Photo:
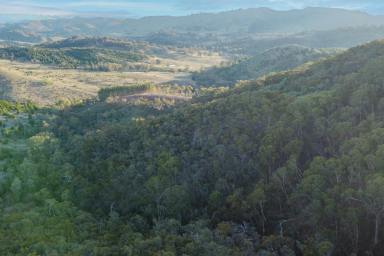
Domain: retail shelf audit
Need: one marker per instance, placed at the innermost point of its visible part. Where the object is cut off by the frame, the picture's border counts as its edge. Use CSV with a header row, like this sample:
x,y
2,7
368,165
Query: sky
x,y
16,10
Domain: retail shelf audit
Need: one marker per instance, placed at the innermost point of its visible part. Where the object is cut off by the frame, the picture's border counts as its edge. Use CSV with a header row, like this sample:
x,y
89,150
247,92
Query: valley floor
x,y
45,85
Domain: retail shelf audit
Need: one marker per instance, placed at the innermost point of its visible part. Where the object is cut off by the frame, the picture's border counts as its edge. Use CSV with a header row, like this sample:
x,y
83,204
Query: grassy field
x,y
46,85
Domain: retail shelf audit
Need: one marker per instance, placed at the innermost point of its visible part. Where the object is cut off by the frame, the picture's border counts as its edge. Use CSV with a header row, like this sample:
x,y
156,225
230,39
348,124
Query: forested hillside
x,y
106,43
86,58
110,54
272,60
290,164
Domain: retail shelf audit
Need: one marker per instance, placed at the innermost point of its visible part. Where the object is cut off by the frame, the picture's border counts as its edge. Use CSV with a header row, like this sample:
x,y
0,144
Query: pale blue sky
x,y
25,9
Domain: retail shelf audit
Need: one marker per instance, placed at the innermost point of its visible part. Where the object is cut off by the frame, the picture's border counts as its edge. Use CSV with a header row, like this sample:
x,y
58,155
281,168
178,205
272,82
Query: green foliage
x,y
105,93
286,164
146,89
88,58
291,164
8,108
272,60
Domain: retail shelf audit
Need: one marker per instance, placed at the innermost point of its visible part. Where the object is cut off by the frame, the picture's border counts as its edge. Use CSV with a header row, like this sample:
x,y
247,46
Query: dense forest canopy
x,y
290,164
70,58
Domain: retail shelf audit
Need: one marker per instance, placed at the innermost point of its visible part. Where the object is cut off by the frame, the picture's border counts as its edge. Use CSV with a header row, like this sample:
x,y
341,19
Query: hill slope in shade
x,y
273,60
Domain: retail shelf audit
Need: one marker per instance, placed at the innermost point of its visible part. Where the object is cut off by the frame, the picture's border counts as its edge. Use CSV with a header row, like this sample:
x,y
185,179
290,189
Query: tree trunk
x,y
264,219
357,239
377,226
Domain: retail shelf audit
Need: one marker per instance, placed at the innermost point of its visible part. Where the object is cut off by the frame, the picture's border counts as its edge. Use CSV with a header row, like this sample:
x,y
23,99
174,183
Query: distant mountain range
x,y
248,21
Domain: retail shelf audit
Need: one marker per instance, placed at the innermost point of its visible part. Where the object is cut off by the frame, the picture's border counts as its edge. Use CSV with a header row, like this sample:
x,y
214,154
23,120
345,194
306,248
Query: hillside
x,y
108,54
11,32
290,164
272,60
85,53
270,163
99,42
86,58
107,43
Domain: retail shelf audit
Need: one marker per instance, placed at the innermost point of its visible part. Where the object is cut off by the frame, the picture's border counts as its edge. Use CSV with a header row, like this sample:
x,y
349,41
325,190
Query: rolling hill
x,y
109,44
86,58
272,60
109,54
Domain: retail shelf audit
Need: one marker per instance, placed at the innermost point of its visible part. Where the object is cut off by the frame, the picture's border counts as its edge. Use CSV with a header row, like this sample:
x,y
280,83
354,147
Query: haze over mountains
x,y
248,21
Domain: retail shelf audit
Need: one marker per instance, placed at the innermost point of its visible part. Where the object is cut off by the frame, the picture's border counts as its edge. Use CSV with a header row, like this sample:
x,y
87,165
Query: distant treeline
x,y
87,58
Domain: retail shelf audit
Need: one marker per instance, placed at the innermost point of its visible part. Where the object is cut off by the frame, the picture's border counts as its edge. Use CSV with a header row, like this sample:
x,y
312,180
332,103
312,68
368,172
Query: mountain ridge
x,y
258,20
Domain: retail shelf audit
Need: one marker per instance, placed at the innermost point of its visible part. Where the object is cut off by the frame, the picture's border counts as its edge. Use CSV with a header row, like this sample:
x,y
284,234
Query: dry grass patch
x,y
45,85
